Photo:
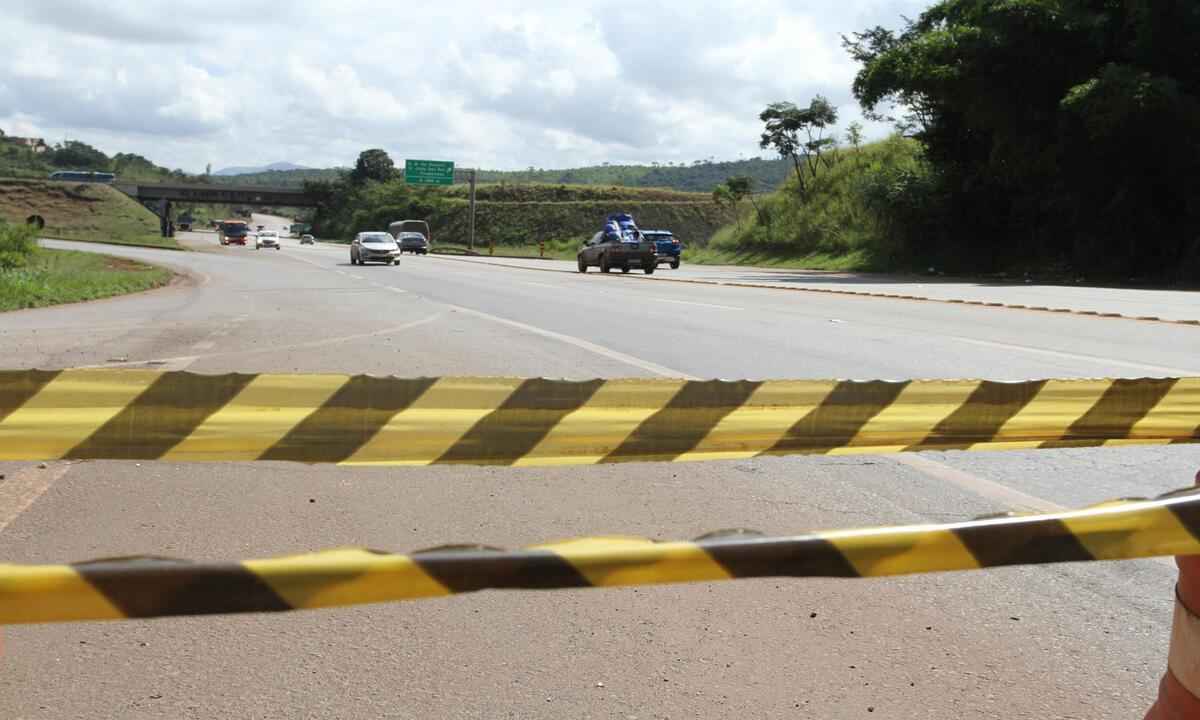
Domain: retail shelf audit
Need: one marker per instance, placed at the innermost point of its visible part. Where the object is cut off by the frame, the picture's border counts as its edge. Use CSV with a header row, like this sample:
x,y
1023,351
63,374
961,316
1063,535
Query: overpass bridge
x,y
216,193
161,195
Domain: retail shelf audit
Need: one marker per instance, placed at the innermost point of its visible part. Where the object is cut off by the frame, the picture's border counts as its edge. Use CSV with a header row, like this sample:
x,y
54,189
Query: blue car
x,y
666,246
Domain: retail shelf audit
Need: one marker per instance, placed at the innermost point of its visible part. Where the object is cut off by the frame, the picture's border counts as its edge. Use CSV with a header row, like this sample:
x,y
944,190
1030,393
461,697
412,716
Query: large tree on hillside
x,y
1068,129
783,124
373,164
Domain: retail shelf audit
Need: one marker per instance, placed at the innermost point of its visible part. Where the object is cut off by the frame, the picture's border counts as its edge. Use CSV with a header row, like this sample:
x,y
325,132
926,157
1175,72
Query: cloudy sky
x,y
492,84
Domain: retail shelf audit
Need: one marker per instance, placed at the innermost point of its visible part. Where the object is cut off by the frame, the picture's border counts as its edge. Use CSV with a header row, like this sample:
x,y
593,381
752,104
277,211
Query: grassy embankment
x,y
848,219
34,277
516,218
81,211
64,276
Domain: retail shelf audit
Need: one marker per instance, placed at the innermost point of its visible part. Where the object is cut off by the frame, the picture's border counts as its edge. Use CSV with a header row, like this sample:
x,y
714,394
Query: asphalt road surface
x,y
1056,641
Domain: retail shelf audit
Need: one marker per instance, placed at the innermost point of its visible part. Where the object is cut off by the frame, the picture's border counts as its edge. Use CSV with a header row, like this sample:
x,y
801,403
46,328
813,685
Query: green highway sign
x,y
428,172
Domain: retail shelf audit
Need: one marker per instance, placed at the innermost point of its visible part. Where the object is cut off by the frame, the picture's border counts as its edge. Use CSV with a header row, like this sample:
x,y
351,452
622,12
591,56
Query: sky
x,y
495,84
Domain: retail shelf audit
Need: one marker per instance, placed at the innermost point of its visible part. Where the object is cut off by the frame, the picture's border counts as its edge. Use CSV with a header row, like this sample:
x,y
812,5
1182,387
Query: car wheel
x,y
582,264
625,268
649,269
675,264
276,247
604,266
396,262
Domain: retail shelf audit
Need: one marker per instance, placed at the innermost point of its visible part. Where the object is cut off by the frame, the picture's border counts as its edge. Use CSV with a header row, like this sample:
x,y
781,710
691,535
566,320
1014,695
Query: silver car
x,y
374,247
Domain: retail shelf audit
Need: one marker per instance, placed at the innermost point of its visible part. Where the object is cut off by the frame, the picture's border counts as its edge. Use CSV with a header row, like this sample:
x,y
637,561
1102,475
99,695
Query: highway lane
x,y
1005,643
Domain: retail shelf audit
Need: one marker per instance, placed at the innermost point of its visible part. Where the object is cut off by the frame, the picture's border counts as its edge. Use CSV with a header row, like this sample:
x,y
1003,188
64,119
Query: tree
x,y
739,188
854,135
78,155
784,123
1059,132
373,164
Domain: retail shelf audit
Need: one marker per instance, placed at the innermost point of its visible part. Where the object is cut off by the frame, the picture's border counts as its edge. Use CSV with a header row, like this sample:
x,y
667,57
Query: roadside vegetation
x,y
19,161
511,215
35,277
1054,139
701,175
88,212
697,176
850,215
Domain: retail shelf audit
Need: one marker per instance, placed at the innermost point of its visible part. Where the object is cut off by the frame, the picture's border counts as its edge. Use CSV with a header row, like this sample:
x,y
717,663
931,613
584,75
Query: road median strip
x,y
483,260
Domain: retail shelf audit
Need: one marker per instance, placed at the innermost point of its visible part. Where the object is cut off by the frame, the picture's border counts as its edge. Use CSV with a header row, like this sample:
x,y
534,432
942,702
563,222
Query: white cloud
x,y
493,84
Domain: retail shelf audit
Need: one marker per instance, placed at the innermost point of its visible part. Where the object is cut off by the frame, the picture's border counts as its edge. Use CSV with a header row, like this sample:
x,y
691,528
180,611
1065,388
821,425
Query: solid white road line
x,y
1005,496
1140,367
698,304
582,344
984,488
22,488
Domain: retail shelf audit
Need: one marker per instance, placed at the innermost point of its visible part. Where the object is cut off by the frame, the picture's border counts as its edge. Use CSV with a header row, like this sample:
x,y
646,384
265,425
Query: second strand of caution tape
x,y
148,587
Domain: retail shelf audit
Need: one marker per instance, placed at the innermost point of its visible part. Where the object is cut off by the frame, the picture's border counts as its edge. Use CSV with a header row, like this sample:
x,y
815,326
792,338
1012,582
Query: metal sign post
x,y
471,180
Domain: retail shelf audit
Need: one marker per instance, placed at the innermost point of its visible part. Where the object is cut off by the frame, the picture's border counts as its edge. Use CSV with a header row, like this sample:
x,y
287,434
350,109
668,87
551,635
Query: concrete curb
x,y
180,248
858,293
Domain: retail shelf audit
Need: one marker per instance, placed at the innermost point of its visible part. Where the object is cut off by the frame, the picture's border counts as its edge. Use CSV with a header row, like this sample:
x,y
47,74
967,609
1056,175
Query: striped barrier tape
x,y
180,416
147,587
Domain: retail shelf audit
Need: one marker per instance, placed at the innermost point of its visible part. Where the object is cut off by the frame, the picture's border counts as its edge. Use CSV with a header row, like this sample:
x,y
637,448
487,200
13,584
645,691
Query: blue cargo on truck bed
x,y
666,246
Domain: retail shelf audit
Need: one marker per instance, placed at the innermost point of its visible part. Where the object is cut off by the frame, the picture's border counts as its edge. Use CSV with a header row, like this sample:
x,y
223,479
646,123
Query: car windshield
x,y
411,236
377,239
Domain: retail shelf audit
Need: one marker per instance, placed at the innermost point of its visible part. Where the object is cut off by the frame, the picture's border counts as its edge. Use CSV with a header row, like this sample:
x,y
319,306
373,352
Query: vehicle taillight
x,y
674,241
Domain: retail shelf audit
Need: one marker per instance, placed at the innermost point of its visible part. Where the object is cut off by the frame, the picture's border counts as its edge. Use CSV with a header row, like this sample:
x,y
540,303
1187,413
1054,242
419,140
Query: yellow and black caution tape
x,y
180,416
147,587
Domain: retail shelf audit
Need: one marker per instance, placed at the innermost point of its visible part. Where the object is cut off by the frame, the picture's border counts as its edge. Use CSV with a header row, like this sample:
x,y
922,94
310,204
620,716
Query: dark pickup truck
x,y
608,252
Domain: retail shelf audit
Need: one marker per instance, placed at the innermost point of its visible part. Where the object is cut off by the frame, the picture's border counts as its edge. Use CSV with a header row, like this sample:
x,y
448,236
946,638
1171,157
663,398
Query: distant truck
x,y
411,226
298,229
232,232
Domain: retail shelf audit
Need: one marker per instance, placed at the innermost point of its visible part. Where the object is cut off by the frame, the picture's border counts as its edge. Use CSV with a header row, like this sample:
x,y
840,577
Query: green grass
x,y
53,277
81,211
854,260
847,220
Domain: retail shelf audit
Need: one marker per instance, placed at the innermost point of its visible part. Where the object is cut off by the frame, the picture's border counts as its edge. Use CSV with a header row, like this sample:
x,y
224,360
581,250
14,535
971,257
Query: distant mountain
x,y
250,170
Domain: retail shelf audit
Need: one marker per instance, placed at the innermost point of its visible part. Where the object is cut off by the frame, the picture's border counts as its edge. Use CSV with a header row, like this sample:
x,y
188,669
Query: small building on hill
x,y
37,145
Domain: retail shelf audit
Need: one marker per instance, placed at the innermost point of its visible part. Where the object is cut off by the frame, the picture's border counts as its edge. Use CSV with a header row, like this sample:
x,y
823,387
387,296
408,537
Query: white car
x,y
267,239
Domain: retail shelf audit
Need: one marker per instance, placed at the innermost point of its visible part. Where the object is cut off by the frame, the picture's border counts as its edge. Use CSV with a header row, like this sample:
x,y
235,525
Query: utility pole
x,y
471,179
